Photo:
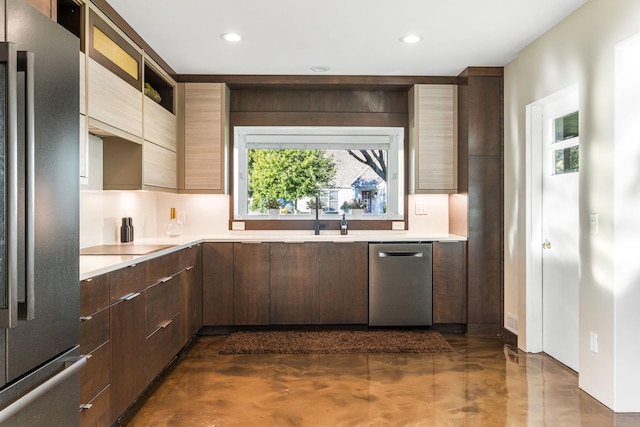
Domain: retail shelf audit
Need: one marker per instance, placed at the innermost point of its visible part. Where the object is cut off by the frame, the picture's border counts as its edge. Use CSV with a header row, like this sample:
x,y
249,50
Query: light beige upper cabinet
x,y
150,164
160,129
114,80
159,125
203,137
433,145
113,104
159,166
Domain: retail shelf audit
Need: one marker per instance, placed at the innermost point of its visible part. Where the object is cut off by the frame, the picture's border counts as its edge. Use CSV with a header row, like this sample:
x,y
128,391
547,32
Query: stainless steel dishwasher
x,y
400,284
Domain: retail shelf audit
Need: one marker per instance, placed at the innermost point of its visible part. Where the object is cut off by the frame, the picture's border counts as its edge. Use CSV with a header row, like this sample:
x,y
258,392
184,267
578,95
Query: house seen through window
x,y
350,170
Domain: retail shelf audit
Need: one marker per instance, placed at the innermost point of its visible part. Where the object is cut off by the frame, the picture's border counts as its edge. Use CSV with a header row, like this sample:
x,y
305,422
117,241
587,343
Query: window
x,y
286,167
565,146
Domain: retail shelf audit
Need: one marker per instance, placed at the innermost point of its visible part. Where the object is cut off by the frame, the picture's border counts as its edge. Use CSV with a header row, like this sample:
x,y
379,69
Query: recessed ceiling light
x,y
410,38
320,68
231,37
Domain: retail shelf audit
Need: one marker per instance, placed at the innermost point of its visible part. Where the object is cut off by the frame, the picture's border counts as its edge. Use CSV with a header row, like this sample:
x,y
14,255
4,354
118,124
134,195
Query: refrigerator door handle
x,y
9,311
26,64
74,366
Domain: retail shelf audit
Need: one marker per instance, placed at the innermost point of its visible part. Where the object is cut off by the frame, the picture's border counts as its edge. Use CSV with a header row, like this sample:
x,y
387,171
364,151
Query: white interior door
x,y
560,255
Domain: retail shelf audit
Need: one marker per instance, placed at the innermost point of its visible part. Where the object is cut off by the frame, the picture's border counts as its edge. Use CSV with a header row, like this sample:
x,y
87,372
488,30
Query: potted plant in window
x,y
357,207
273,206
311,205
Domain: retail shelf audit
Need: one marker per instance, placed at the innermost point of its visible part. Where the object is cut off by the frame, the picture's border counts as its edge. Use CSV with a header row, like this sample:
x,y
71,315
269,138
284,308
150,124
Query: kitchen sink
x,y
128,249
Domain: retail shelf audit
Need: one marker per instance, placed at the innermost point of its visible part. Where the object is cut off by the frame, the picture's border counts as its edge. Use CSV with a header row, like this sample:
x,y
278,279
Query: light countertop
x,y
94,265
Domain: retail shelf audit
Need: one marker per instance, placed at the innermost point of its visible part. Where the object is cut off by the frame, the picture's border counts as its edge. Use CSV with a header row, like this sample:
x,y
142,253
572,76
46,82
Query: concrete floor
x,y
482,383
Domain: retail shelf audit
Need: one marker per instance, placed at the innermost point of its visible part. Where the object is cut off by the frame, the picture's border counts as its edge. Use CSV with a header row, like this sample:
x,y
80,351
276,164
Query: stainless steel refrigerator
x,y
39,291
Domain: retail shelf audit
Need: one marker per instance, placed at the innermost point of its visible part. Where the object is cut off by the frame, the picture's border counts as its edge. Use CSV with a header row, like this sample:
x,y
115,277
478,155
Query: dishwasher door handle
x,y
401,253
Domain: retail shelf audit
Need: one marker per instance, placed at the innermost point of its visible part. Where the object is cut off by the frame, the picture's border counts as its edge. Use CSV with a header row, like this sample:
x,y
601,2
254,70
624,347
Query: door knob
x,y
546,244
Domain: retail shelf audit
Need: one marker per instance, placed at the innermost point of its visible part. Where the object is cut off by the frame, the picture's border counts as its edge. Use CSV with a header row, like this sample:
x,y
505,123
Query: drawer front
x,y
188,257
95,375
94,331
98,414
161,347
163,303
94,294
126,280
162,267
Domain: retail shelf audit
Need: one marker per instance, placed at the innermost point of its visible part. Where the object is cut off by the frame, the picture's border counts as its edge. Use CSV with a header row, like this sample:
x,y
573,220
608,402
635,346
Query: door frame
x,y
533,217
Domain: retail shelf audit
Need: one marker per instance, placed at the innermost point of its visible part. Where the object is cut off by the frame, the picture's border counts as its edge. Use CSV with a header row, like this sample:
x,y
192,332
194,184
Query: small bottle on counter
x,y
344,228
173,227
126,230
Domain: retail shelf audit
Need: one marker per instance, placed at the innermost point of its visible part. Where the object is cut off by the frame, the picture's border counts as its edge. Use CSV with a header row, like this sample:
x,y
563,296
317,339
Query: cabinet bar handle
x,y
189,268
86,406
85,318
130,296
165,323
165,279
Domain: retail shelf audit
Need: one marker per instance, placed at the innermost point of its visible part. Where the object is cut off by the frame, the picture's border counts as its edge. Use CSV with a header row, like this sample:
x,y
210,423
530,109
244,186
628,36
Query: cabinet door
x,y
449,282
433,139
293,283
343,283
251,283
206,107
127,326
113,102
159,125
217,284
159,166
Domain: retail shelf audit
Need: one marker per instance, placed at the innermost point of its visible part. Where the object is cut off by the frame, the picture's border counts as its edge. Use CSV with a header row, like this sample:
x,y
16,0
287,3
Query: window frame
x,y
391,139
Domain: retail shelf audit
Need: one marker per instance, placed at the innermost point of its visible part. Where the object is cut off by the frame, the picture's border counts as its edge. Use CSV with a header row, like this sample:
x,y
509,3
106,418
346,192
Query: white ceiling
x,y
352,37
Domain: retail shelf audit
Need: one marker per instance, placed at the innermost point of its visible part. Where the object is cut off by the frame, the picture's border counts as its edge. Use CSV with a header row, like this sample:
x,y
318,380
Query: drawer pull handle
x,y
130,296
189,268
86,406
85,318
88,280
165,323
132,265
166,279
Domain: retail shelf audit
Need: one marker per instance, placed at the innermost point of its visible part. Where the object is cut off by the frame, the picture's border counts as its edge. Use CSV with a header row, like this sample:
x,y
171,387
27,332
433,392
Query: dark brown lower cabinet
x,y
293,283
191,298
162,325
96,412
251,283
134,321
95,377
217,284
343,291
127,321
449,282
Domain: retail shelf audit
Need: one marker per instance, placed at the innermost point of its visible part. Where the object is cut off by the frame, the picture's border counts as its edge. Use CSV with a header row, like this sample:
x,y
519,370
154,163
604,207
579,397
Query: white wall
x,y
581,49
